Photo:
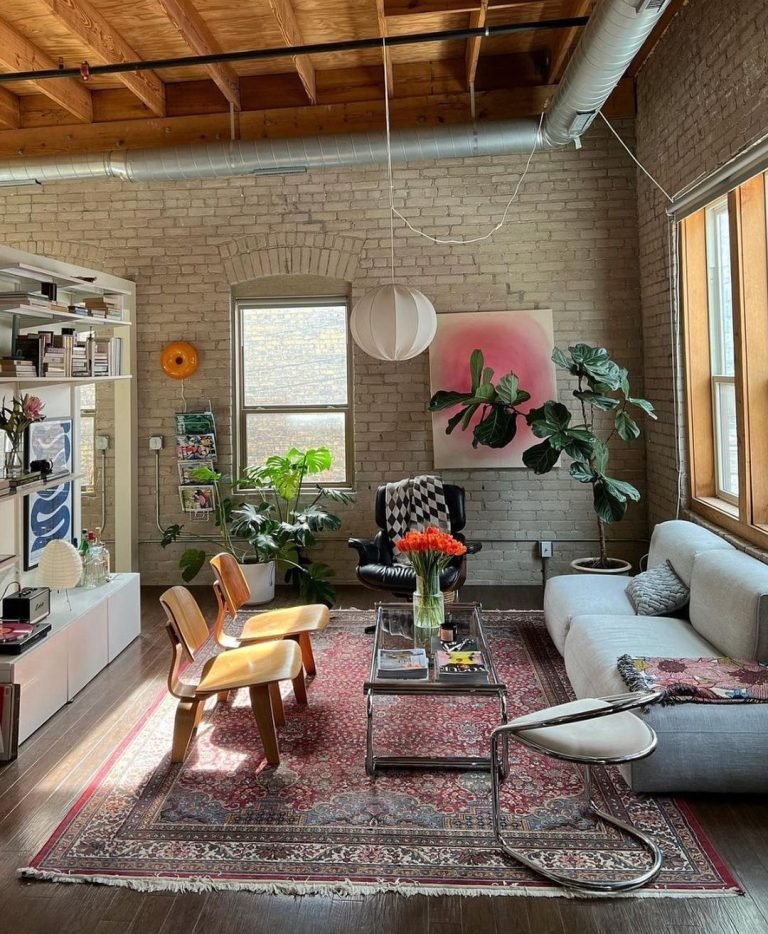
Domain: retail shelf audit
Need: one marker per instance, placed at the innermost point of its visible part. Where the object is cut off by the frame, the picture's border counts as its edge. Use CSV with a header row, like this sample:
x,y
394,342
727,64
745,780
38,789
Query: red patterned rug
x,y
318,823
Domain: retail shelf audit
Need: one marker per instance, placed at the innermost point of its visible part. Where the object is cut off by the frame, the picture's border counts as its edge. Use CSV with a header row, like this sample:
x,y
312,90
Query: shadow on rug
x,y
318,824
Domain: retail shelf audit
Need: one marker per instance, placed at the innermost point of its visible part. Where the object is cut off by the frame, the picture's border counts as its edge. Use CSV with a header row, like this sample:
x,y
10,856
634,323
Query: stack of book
x,y
109,307
10,300
105,356
465,665
402,663
17,368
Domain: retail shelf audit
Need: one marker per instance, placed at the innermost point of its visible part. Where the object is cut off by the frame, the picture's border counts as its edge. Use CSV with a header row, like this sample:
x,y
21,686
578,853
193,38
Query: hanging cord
x,y
183,397
393,210
634,158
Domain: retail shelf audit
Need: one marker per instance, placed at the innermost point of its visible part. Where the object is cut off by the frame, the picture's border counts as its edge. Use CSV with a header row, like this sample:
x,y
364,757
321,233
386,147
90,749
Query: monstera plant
x,y
607,412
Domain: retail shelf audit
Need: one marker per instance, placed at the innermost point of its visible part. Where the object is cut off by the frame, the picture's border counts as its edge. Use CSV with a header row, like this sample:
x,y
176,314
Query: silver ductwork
x,y
610,41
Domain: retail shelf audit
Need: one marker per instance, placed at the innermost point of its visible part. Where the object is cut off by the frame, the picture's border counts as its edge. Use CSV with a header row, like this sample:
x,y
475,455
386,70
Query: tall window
x,y
87,437
293,381
725,315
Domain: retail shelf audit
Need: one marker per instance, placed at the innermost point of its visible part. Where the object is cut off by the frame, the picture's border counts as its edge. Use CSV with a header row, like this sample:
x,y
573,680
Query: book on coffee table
x,y
402,663
460,665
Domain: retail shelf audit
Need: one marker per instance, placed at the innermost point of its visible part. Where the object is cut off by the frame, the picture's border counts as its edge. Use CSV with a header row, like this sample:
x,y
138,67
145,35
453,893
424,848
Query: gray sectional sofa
x,y
702,747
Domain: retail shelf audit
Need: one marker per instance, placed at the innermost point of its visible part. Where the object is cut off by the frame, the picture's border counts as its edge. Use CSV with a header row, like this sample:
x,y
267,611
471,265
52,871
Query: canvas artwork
x,y
195,447
517,341
186,469
195,423
51,440
196,498
48,516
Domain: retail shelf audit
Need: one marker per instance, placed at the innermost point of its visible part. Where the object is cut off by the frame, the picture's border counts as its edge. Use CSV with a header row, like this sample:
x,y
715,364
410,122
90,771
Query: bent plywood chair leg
x,y
307,655
277,703
300,688
224,696
188,713
262,711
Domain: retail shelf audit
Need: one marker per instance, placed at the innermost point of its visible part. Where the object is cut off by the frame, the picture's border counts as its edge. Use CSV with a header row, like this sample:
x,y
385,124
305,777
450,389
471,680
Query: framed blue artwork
x,y
47,516
51,440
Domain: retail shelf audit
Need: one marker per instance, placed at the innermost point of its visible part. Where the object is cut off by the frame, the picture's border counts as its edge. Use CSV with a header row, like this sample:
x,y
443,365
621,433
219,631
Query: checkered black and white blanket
x,y
415,503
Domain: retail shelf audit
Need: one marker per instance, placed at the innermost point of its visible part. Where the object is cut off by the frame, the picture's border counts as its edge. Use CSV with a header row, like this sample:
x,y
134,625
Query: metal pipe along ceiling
x,y
610,41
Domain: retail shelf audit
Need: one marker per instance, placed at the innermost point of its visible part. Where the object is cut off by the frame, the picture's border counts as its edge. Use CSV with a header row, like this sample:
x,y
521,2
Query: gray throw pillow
x,y
657,592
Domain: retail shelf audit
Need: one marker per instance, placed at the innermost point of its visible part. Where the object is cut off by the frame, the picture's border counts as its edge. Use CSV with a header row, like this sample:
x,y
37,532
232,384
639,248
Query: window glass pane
x,y
87,443
88,397
295,356
270,433
719,288
726,446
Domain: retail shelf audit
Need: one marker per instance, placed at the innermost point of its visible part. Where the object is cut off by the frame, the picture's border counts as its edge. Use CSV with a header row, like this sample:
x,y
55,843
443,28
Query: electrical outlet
x,y
102,442
156,443
545,549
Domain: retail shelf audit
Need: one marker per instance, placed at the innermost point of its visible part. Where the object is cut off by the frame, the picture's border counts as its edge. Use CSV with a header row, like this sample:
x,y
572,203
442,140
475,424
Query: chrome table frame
x,y
374,687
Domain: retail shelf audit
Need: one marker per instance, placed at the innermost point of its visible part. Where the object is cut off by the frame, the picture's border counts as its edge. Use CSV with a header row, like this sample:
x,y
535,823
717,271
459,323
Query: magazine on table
x,y
402,663
461,665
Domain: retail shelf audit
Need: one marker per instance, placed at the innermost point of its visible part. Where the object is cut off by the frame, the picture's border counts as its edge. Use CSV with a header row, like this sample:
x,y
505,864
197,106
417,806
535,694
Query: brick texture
x,y
570,244
702,98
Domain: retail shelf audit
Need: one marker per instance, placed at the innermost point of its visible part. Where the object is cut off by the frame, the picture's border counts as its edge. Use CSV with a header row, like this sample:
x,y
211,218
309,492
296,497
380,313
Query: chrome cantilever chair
x,y
591,731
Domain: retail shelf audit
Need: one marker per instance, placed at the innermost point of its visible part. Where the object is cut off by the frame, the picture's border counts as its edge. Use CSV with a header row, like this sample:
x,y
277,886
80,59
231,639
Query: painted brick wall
x,y
702,97
570,244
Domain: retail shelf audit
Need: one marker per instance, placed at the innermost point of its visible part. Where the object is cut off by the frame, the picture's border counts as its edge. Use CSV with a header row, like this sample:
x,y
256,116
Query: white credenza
x,y
87,633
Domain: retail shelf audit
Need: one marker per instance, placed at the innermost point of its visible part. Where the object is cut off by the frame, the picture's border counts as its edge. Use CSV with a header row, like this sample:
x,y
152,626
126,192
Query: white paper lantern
x,y
60,565
394,322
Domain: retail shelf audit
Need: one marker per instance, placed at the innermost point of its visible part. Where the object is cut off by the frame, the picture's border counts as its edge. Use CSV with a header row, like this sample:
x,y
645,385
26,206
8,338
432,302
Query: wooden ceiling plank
x,y
568,38
285,17
476,21
9,110
393,8
382,21
17,53
195,32
92,28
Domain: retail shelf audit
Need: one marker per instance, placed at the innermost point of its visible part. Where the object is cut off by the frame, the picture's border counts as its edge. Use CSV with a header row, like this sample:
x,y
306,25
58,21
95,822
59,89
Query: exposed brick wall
x,y
702,97
570,244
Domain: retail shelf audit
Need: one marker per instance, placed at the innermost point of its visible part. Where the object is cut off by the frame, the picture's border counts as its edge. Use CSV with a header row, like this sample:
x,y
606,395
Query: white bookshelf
x,y
55,380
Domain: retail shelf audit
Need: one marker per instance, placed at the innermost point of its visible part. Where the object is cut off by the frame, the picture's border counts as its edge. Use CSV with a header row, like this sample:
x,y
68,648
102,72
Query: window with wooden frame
x,y
293,381
724,277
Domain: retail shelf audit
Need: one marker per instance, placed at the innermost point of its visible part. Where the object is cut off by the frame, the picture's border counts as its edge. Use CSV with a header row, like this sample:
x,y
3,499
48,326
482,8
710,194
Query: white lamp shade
x,y
60,565
394,322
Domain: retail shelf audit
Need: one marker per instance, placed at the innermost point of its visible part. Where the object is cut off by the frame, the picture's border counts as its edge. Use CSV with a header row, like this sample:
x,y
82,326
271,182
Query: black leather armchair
x,y
376,567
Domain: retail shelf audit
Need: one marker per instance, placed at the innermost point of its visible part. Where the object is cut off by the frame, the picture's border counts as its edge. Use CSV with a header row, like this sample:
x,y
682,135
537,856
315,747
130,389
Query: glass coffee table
x,y
395,630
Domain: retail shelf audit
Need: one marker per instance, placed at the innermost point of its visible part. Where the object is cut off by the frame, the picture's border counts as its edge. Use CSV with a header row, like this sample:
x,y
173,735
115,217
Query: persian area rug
x,y
318,824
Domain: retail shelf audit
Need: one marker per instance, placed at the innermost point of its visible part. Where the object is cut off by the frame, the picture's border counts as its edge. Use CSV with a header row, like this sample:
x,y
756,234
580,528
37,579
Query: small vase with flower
x,y
429,552
14,421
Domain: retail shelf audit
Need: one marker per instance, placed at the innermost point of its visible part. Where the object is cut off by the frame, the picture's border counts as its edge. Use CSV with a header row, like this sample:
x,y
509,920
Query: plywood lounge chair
x,y
260,668
295,622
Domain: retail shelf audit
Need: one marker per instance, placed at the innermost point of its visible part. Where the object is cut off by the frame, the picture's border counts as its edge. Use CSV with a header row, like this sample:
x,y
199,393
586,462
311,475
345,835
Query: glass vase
x,y
13,464
428,605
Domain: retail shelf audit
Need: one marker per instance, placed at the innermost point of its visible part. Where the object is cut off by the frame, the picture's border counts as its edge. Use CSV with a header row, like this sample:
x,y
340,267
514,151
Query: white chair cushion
x,y
616,736
572,595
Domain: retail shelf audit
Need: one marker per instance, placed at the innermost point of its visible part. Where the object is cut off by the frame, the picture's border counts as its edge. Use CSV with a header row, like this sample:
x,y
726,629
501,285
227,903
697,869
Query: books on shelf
x,y
109,307
461,665
62,355
17,368
402,663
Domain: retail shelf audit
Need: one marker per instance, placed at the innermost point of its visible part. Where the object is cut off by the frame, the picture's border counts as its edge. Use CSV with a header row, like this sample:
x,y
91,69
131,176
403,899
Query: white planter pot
x,y
261,582
582,566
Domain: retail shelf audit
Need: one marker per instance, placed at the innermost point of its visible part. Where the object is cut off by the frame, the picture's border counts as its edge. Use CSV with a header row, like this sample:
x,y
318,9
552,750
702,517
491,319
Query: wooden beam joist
x,y
10,116
283,12
382,21
476,21
564,46
82,19
195,32
290,121
19,54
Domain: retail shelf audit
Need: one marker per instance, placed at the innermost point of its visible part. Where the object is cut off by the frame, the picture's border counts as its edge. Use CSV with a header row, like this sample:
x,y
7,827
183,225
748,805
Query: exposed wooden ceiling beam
x,y
10,117
382,20
285,121
568,38
427,7
476,21
658,31
19,54
82,19
283,12
201,40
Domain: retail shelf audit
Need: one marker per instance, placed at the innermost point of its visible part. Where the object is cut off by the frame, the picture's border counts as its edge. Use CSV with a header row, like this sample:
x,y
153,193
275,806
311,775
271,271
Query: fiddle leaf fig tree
x,y
605,404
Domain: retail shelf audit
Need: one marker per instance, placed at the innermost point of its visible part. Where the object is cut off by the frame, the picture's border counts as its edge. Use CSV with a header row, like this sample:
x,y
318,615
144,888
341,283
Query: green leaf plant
x,y
604,402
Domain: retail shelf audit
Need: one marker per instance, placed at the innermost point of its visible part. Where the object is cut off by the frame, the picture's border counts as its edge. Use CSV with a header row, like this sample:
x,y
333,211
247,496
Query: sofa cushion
x,y
678,542
595,643
576,594
657,591
729,603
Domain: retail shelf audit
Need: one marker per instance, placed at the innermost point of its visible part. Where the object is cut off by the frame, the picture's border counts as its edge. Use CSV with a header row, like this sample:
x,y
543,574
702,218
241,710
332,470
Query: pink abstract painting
x,y
517,341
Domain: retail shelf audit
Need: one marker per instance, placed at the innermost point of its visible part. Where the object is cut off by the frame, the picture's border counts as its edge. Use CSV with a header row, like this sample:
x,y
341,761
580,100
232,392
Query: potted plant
x,y
280,526
606,405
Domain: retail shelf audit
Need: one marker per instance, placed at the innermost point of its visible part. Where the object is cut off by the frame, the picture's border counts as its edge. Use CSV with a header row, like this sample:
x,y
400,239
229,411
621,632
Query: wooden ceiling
x,y
513,75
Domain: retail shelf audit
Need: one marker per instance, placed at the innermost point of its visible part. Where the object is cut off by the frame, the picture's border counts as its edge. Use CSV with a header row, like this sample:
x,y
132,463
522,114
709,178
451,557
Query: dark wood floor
x,y
55,764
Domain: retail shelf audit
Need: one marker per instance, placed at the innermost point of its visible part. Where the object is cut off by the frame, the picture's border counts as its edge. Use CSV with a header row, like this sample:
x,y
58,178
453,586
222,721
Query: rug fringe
x,y
341,889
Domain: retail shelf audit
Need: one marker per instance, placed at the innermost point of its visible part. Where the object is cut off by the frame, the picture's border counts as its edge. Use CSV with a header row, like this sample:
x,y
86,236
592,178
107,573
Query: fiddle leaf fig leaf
x,y
485,392
595,364
578,443
645,405
444,399
604,403
560,359
541,458
476,364
626,426
496,429
600,454
582,472
454,420
508,390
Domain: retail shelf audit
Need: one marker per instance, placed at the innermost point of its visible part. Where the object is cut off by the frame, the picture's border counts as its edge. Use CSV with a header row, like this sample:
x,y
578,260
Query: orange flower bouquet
x,y
429,553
